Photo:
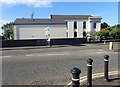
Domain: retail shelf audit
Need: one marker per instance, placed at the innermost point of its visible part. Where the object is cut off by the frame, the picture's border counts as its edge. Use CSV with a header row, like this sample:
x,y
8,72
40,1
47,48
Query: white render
x,y
70,29
57,30
38,31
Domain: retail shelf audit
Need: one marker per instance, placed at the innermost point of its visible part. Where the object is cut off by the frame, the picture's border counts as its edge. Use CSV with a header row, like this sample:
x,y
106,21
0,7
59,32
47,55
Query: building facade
x,y
57,26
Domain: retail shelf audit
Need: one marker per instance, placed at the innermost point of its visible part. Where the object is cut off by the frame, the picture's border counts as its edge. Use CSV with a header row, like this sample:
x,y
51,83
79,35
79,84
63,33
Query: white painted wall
x,y
70,28
97,20
89,27
38,31
80,29
98,26
58,32
16,32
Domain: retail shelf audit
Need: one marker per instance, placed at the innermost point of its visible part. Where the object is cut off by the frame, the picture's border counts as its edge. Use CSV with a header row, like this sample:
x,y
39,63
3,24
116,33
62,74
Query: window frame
x,y
66,24
84,24
94,25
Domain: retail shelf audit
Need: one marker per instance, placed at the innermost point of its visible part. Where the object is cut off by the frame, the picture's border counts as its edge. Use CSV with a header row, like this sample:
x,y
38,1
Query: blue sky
x,y
107,10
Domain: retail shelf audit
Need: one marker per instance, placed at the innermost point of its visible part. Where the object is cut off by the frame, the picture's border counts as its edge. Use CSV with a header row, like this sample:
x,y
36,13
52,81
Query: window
x,y
75,25
66,25
84,34
84,25
94,25
75,34
67,34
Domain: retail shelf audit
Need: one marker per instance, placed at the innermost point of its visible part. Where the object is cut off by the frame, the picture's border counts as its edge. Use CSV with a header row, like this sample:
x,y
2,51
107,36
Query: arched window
x,y
66,24
94,25
75,24
84,25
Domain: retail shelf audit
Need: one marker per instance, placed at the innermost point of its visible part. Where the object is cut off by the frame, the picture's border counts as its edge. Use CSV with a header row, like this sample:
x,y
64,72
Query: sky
x,y
12,9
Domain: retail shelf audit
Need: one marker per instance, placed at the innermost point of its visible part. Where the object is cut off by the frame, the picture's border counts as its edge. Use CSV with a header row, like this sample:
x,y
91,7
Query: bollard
x,y
89,72
111,46
106,61
75,77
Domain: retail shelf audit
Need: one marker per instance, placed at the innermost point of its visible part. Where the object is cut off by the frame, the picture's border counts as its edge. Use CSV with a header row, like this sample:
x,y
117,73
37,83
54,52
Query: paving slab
x,y
114,81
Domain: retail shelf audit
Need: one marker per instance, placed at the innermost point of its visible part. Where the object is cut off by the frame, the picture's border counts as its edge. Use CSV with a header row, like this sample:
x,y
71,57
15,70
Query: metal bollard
x,y
106,61
89,72
75,77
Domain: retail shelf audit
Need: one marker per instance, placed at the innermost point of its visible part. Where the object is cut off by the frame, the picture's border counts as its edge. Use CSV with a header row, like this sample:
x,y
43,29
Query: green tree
x,y
8,31
115,32
103,34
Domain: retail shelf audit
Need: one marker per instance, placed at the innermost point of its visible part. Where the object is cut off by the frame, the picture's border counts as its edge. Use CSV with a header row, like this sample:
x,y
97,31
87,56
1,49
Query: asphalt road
x,y
51,66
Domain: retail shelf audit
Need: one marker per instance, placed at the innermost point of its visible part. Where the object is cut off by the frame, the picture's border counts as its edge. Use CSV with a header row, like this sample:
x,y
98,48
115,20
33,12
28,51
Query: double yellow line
x,y
94,76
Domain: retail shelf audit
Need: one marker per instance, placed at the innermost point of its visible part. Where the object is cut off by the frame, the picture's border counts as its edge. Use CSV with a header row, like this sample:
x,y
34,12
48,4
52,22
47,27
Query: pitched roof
x,y
55,19
29,21
70,17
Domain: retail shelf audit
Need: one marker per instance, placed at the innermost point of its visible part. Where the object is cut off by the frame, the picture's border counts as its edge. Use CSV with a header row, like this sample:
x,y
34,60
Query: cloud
x,y
34,3
46,3
86,0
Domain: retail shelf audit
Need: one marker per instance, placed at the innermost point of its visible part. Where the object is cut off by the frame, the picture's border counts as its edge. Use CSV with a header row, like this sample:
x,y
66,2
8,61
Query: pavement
x,y
115,47
114,81
99,81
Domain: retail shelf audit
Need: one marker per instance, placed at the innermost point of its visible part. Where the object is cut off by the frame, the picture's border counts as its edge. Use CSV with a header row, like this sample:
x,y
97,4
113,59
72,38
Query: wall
x,y
70,29
38,31
80,29
91,22
42,42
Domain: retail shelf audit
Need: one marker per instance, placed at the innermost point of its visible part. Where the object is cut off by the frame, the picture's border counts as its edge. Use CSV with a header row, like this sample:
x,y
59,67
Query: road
x,y
51,66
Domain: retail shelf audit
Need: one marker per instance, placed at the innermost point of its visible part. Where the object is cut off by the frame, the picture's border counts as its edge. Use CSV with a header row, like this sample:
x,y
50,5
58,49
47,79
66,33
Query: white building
x,y
60,26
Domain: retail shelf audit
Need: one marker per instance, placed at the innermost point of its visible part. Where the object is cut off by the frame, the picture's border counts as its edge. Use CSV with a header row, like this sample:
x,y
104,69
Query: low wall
x,y
42,42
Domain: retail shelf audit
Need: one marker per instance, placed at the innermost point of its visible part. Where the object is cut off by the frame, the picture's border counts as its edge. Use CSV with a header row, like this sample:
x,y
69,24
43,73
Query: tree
x,y
115,32
103,34
104,25
8,31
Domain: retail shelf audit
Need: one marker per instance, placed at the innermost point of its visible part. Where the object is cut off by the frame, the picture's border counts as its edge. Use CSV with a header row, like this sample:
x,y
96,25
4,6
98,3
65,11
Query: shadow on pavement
x,y
114,79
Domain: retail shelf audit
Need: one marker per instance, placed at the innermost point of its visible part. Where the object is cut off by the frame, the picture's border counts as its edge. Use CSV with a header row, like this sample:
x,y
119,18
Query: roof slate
x,y
55,19
29,21
69,17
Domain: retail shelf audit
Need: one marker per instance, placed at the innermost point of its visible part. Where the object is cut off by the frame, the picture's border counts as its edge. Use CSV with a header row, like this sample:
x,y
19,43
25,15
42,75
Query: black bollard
x,y
89,72
75,77
106,61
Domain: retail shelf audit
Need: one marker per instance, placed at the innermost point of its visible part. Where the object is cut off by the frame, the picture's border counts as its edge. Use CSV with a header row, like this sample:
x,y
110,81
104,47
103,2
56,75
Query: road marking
x,y
94,76
28,55
4,57
95,52
43,55
55,54
102,52
52,54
